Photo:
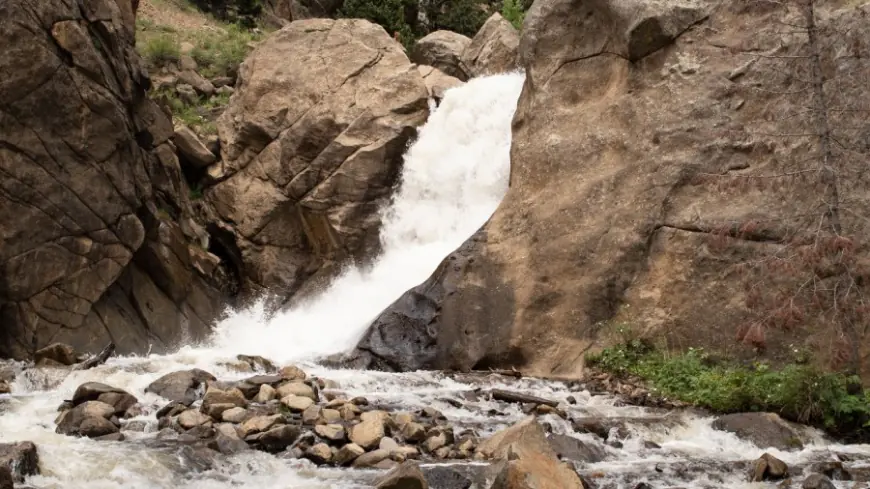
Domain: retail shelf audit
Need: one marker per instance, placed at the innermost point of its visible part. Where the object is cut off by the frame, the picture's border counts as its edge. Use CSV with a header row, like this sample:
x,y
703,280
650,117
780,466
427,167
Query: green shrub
x,y
463,16
797,392
162,49
220,52
513,12
396,16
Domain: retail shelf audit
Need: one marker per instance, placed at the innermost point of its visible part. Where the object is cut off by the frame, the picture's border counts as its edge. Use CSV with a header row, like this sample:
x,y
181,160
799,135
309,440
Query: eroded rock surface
x,y
312,143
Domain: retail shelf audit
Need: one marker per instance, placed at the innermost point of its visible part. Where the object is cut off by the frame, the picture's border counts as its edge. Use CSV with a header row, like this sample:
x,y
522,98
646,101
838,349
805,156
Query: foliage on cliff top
x,y
801,393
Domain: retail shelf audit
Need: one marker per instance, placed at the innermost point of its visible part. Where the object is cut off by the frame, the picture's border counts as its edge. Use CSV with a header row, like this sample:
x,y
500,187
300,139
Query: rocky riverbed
x,y
189,420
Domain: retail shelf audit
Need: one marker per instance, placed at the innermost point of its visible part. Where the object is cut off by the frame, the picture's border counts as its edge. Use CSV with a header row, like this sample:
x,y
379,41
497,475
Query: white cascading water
x,y
454,176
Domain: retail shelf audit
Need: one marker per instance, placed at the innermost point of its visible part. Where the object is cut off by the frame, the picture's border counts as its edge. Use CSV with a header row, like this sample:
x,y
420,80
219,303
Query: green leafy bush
x,y
396,16
462,16
832,401
514,12
220,52
162,49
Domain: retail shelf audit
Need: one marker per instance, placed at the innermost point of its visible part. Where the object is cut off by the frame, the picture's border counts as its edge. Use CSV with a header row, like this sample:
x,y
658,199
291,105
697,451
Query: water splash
x,y
453,178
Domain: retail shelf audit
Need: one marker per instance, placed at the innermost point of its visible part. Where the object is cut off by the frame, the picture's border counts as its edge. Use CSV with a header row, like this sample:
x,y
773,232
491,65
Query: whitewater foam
x,y
454,176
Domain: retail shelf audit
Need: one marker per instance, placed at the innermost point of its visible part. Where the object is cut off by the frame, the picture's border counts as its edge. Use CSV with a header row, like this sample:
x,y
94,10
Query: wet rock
x,y
174,408
818,481
227,440
435,442
234,415
768,468
192,148
20,458
405,476
403,418
331,432
265,394
96,427
292,372
440,477
413,432
58,353
258,362
233,397
765,430
319,454
5,388
297,389
259,424
192,418
348,411
135,426
311,415
568,447
530,461
279,438
518,397
216,411
348,454
359,401
120,399
370,459
182,386
70,422
6,481
832,470
388,443
367,433
297,404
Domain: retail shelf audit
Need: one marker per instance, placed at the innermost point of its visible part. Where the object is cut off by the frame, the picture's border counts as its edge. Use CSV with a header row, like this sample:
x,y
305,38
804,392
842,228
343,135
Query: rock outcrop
x,y
312,143
442,50
493,50
765,430
95,222
653,180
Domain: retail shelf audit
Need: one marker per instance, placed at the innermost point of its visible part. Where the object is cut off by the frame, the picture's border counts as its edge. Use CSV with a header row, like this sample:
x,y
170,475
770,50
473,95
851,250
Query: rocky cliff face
x,y
97,243
671,171
312,146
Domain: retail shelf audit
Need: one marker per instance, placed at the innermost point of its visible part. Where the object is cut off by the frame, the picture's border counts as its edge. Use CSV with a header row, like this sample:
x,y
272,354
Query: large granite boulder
x,y
92,201
312,144
657,161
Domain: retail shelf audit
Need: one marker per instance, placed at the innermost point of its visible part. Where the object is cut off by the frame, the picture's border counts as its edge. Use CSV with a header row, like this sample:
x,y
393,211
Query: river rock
x,y
568,447
182,386
296,389
367,433
265,394
370,459
817,481
529,458
97,427
768,468
413,432
20,458
120,399
493,50
70,422
86,154
292,372
234,415
319,453
259,424
227,440
56,352
330,138
348,454
192,418
233,397
192,148
297,404
442,50
173,408
405,476
765,430
279,438
331,432
348,411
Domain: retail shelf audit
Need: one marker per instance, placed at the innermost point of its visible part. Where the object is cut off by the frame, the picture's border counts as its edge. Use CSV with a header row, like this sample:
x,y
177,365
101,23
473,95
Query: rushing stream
x,y
454,177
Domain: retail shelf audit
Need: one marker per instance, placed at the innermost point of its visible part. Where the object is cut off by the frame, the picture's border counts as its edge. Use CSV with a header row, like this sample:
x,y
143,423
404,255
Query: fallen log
x,y
508,396
98,359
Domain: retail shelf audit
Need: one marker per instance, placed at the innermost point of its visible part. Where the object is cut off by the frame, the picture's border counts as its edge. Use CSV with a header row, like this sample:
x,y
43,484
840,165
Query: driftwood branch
x,y
97,359
508,396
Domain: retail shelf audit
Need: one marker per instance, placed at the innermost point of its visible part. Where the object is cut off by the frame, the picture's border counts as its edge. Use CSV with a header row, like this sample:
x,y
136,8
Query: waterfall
x,y
454,175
